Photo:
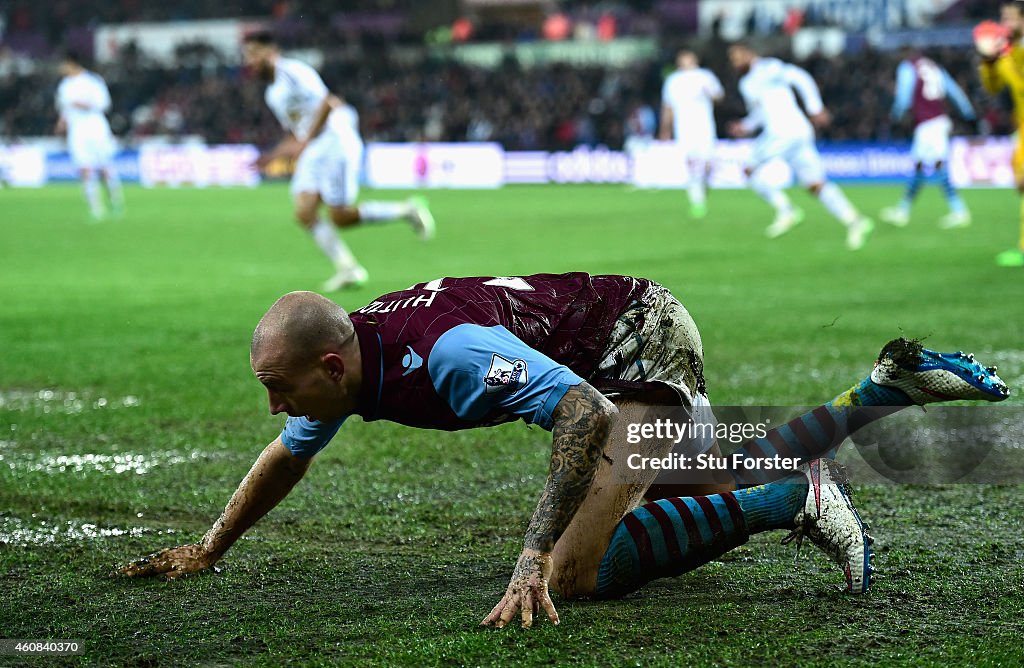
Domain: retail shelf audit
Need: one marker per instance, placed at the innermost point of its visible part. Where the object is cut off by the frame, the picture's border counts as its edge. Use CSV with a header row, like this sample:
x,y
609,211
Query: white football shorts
x,y
799,153
329,168
698,146
931,140
91,149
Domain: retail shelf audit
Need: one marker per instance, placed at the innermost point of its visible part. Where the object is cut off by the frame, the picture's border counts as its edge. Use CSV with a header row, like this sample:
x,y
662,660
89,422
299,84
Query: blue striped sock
x,y
772,506
913,187
814,434
956,205
670,537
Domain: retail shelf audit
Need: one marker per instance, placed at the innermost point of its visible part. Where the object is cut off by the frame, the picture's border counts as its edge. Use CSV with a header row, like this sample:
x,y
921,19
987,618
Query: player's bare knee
x,y
305,216
344,216
815,188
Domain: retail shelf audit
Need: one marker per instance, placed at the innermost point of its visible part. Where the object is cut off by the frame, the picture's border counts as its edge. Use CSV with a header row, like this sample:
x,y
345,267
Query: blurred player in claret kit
x,y
82,102
577,355
1002,66
924,87
767,86
687,113
323,135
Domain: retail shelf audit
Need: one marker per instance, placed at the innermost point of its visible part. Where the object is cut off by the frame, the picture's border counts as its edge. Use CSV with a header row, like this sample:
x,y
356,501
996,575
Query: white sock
x,y
695,189
379,212
91,187
114,189
771,194
837,204
333,246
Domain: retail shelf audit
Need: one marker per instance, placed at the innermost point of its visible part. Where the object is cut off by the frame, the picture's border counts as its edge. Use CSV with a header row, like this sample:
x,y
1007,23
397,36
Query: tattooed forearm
x,y
582,423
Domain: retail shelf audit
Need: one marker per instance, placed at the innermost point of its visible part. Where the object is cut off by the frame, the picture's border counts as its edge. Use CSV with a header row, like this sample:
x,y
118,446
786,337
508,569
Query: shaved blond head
x,y
299,328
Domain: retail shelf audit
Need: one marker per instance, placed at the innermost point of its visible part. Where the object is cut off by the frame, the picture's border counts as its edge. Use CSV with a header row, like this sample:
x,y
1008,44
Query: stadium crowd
x,y
550,107
205,92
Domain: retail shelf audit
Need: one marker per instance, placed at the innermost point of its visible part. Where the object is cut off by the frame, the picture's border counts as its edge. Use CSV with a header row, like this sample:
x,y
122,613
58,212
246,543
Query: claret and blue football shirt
x,y
456,353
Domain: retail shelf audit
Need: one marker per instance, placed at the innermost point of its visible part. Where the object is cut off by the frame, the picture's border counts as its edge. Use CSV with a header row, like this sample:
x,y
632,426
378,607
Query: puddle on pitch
x,y
58,401
132,463
16,532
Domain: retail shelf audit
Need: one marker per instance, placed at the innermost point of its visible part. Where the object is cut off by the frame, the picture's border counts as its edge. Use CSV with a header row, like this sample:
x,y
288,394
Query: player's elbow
x,y
583,408
287,462
604,413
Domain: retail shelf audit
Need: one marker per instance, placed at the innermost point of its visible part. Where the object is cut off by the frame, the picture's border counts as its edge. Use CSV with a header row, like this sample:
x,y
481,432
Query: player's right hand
x,y
822,119
174,562
527,592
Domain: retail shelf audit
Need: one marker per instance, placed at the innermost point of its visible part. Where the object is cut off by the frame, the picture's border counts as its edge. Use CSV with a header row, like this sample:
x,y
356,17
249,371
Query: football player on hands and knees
x,y
323,137
597,352
83,101
767,86
924,87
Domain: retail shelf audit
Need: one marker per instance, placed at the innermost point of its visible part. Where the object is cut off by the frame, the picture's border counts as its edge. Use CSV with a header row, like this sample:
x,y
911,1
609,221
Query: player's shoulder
x,y
768,66
295,67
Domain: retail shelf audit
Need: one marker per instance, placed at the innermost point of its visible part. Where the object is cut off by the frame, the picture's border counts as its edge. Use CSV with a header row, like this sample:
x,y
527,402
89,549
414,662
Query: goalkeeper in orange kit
x,y
1002,66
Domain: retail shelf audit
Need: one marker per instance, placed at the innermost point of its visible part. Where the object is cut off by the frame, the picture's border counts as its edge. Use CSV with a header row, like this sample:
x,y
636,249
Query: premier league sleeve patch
x,y
481,385
505,375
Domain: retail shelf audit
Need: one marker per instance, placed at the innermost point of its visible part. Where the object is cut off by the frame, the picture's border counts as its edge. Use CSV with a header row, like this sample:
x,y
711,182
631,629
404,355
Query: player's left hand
x,y
527,592
172,563
822,119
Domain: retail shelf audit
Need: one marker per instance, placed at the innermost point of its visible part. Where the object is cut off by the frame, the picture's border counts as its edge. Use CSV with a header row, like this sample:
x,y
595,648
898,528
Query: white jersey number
x,y
510,282
931,81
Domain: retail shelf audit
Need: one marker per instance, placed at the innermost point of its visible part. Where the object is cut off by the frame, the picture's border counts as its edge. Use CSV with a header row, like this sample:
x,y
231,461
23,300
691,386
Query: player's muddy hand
x,y
174,562
527,592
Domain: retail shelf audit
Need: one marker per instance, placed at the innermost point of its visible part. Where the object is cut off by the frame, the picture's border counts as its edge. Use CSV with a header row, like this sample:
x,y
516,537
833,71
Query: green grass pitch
x,y
398,541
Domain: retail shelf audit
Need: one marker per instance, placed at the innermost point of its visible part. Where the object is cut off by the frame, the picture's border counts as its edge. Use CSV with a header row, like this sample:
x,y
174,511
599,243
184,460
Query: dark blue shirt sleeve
x,y
305,437
481,370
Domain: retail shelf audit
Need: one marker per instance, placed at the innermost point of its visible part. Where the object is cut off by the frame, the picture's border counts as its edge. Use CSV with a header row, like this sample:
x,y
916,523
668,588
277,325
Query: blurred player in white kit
x,y
82,102
924,87
687,113
767,86
323,135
